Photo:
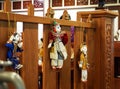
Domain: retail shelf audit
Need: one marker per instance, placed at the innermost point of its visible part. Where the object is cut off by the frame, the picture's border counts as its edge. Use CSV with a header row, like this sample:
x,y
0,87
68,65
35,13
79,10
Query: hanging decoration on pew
x,y
15,48
83,62
57,41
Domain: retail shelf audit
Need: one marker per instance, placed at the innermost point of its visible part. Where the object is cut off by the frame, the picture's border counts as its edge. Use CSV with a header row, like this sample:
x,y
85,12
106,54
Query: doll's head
x,y
83,49
15,38
56,27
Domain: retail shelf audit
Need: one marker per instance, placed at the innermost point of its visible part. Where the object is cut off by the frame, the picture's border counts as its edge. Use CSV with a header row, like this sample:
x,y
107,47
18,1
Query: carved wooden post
x,y
7,6
7,9
100,50
29,72
50,13
65,15
31,10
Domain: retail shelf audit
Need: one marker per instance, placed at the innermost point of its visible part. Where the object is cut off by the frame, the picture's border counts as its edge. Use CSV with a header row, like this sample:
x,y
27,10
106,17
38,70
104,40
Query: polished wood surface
x,y
116,54
100,51
7,6
43,20
30,56
117,83
117,49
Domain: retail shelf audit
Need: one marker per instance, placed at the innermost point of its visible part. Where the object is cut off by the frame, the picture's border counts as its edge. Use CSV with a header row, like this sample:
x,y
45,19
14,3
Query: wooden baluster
x,y
31,10
89,19
7,6
50,13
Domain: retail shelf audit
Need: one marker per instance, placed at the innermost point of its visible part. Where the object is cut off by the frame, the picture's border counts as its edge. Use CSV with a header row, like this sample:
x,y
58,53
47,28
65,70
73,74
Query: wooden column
x,y
101,69
78,38
49,75
7,6
31,10
65,73
7,27
29,72
30,55
3,39
56,79
7,9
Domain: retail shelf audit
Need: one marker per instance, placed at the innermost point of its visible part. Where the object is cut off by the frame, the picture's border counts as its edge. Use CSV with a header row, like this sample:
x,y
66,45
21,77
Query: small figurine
x,y
14,45
83,63
58,52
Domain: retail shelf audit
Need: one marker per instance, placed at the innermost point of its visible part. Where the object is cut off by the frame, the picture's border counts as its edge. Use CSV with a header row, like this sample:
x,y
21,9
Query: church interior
x,y
59,44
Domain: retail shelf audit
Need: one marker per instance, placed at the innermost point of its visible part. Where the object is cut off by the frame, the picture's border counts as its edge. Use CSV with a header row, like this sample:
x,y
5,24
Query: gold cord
x,y
10,30
9,24
14,24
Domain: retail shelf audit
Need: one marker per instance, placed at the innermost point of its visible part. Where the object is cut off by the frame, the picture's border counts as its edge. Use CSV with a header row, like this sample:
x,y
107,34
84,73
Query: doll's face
x,y
84,49
58,28
16,38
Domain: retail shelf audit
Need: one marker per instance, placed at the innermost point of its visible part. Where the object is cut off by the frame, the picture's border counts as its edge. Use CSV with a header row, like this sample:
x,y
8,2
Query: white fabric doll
x,y
83,63
58,52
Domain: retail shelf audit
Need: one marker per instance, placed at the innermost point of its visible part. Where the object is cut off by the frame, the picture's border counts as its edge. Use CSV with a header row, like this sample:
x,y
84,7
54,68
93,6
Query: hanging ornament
x,y
57,41
83,62
14,45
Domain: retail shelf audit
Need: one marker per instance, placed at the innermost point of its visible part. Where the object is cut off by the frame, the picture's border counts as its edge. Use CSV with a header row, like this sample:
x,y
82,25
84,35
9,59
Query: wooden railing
x,y
29,72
